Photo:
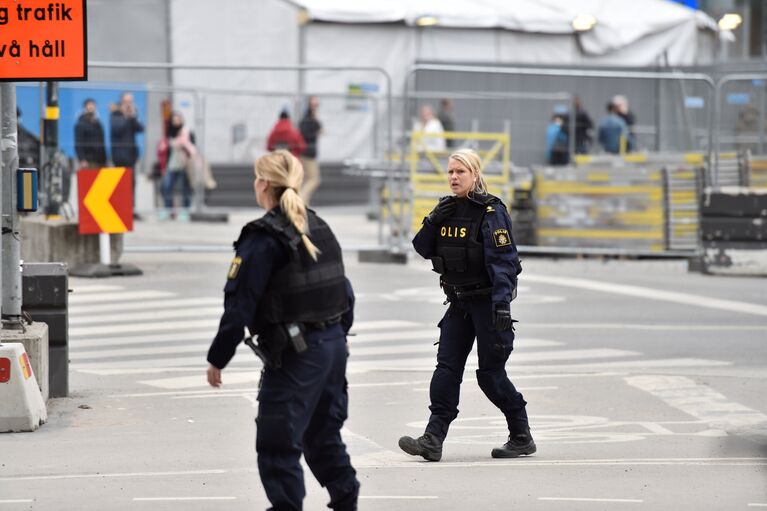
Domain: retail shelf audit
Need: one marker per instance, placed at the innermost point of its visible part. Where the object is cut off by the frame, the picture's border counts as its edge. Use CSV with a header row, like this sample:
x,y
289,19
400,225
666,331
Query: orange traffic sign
x,y
43,40
105,200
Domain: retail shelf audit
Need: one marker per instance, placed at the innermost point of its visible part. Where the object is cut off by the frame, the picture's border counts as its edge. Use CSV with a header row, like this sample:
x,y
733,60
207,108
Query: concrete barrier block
x,y
59,240
34,338
735,258
23,407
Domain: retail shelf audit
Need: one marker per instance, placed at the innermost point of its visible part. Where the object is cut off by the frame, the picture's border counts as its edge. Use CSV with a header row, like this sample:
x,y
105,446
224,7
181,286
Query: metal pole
x,y
572,128
53,190
762,112
11,244
105,249
199,186
301,80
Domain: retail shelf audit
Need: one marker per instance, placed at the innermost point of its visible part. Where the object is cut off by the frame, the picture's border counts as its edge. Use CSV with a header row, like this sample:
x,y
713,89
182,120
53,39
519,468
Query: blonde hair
x,y
285,174
471,160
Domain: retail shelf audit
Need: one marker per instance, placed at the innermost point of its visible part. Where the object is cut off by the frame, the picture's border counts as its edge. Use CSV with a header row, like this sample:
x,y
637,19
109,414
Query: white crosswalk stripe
x,y
149,315
121,296
92,309
114,331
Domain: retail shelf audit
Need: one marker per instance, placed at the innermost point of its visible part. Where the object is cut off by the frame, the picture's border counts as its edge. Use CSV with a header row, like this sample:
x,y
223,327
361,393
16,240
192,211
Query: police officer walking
x,y
468,239
291,291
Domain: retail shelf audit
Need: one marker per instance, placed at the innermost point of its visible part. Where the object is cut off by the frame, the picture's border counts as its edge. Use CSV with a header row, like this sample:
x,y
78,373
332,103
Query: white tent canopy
x,y
618,22
386,34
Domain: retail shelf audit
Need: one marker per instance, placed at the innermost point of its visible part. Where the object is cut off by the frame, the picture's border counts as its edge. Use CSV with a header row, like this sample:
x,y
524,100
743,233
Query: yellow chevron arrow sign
x,y
97,200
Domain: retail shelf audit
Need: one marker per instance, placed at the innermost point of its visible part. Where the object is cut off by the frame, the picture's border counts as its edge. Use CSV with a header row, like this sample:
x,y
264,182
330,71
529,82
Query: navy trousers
x,y
302,407
463,321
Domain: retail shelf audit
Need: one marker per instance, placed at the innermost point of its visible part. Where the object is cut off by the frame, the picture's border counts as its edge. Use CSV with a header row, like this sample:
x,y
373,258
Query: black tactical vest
x,y
460,254
303,290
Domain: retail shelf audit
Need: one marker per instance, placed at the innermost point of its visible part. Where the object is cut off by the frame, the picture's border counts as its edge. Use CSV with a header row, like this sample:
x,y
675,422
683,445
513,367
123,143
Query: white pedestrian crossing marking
x,y
699,401
151,315
174,337
387,323
144,332
95,288
121,296
84,331
145,305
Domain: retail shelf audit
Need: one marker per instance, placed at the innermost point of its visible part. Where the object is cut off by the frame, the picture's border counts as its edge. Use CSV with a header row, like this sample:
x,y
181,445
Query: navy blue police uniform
x,y
474,253
303,399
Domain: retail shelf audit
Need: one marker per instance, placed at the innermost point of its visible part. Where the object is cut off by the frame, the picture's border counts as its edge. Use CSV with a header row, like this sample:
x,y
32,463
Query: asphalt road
x,y
645,383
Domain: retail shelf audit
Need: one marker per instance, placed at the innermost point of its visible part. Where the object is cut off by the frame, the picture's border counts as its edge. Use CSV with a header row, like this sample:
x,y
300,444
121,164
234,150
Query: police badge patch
x,y
234,268
501,237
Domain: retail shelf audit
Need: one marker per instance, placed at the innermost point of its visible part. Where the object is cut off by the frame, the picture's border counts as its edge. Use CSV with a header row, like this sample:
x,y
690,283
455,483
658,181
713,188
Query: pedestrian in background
x,y
431,127
311,129
557,151
124,126
285,136
89,138
583,128
612,130
182,156
622,109
447,120
290,290
468,237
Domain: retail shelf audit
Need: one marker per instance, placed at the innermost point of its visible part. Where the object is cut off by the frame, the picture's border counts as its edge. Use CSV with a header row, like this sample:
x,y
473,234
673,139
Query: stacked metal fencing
x,y
701,129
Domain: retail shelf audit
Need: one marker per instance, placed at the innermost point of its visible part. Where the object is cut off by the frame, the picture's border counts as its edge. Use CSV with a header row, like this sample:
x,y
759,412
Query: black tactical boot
x,y
428,446
518,444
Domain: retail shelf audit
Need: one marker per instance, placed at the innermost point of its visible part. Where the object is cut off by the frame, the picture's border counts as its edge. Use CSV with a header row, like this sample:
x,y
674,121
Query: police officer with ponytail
x,y
468,239
287,285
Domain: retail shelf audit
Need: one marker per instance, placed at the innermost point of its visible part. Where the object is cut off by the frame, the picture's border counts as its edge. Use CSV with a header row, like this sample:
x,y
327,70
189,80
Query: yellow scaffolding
x,y
428,169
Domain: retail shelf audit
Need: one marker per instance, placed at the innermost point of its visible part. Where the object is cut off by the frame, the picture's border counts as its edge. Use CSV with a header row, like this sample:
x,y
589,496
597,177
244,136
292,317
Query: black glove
x,y
444,209
502,317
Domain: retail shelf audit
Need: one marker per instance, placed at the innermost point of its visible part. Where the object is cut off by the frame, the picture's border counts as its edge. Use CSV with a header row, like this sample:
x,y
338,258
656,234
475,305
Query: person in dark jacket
x,y
285,136
447,120
622,109
124,126
89,138
291,291
311,129
584,127
468,237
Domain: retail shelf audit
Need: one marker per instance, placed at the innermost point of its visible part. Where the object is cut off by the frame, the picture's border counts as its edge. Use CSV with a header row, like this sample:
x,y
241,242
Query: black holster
x,y
272,343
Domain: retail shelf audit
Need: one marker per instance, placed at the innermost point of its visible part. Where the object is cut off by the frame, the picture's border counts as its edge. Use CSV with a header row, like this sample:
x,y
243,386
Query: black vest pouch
x,y
455,259
438,264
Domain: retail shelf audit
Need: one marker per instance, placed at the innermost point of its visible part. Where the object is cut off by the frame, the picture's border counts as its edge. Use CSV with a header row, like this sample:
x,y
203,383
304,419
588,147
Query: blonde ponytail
x,y
285,173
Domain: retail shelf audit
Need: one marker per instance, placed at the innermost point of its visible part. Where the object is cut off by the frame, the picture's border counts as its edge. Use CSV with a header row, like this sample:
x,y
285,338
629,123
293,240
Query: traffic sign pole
x,y
52,177
104,249
11,244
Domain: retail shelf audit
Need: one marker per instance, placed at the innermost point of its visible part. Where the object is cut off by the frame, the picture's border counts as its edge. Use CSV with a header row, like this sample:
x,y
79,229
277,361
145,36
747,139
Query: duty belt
x,y
322,325
466,291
